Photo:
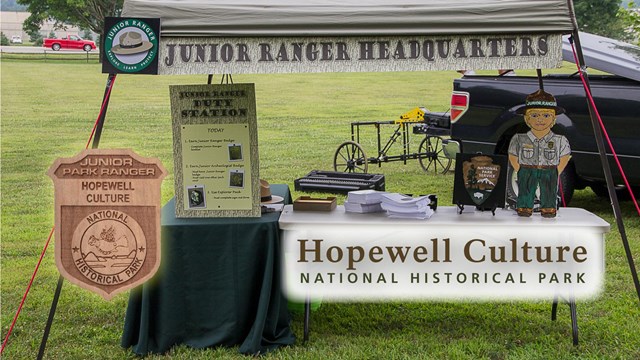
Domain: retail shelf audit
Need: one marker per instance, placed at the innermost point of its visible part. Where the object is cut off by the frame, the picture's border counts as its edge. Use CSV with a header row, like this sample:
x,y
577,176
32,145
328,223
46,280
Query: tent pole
x,y
52,312
103,114
607,170
540,84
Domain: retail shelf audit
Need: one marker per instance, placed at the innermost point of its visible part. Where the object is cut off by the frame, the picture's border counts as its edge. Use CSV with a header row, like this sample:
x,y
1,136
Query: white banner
x,y
450,256
214,55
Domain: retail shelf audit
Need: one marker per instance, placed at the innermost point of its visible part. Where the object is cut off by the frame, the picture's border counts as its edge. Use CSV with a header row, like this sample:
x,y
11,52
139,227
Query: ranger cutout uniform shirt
x,y
532,151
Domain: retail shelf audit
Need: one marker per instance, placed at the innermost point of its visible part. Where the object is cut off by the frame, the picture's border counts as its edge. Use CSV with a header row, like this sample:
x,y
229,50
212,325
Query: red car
x,y
70,42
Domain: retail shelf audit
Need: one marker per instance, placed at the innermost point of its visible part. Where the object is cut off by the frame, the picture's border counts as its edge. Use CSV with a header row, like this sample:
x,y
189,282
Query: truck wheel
x,y
600,190
567,184
55,47
621,191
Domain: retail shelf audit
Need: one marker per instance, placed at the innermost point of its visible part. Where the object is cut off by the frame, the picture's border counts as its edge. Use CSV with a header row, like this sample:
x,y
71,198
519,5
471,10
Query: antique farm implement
x,y
429,128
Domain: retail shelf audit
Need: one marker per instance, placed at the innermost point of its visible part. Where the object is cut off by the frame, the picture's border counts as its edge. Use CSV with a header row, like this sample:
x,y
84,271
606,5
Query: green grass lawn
x,y
48,110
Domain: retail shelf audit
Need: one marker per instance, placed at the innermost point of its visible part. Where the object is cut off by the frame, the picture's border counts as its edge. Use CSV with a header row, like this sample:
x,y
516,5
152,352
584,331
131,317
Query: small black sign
x,y
130,45
480,180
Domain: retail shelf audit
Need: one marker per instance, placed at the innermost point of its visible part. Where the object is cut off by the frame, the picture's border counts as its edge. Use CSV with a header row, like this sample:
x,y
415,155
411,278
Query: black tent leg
x,y
52,312
103,114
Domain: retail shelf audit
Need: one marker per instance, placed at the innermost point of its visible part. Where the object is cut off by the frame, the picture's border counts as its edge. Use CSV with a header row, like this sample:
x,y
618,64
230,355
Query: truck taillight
x,y
459,105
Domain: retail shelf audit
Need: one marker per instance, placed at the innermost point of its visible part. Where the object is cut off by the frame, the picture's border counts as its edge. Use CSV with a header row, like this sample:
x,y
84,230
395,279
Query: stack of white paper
x,y
407,207
363,201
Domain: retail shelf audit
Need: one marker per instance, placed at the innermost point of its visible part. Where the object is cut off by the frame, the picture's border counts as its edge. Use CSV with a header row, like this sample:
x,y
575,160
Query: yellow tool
x,y
415,115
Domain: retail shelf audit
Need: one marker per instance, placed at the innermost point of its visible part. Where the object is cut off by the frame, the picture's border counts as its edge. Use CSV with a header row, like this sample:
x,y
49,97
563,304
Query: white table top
x,y
444,216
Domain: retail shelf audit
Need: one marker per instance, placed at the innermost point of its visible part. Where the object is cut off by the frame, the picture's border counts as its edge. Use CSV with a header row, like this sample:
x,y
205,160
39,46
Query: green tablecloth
x,y
218,284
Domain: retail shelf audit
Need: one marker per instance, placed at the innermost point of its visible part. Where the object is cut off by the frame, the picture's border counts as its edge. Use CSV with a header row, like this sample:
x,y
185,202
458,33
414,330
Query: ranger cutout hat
x,y
131,43
540,100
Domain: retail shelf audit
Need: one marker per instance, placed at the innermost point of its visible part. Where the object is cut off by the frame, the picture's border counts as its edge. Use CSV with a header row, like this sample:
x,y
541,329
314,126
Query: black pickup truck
x,y
486,120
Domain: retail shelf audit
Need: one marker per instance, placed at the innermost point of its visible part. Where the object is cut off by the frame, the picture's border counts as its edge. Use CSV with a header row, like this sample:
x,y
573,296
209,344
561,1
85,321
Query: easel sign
x,y
215,143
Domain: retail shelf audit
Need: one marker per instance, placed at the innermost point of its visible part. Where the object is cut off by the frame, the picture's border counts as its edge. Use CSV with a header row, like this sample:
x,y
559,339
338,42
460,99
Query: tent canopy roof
x,y
609,55
263,18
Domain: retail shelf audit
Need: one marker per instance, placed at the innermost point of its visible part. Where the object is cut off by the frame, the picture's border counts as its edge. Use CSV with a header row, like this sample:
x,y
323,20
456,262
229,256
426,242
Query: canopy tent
x,y
249,18
285,36
443,34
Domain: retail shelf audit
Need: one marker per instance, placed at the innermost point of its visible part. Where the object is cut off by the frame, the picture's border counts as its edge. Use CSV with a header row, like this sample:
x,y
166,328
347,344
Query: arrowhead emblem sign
x,y
480,177
107,217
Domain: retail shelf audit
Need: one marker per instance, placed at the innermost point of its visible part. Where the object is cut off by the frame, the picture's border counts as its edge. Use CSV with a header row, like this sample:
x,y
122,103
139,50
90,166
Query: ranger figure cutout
x,y
539,156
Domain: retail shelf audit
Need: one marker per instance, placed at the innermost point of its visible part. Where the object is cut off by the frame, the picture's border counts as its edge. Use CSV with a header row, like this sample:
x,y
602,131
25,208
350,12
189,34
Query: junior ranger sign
x,y
107,215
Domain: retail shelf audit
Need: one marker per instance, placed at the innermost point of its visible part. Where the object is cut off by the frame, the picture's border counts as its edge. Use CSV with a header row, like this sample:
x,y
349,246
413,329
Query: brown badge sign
x,y
107,216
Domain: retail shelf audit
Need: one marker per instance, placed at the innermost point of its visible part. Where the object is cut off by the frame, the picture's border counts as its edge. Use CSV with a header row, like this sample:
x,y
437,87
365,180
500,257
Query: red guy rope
x,y
24,297
604,131
564,203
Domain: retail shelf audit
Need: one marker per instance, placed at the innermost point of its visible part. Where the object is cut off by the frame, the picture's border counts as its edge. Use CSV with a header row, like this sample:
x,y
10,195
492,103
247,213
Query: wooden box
x,y
307,203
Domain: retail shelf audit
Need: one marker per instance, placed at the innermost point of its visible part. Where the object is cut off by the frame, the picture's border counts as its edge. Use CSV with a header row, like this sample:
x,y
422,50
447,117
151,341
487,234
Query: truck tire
x,y
600,190
55,47
567,184
86,48
621,191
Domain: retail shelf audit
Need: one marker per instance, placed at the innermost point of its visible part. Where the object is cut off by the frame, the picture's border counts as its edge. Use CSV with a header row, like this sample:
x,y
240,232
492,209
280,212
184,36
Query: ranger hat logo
x,y
131,43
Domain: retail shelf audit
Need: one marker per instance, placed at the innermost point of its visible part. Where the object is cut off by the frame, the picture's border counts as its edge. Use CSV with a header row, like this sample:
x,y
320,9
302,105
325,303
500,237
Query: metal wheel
x,y
55,47
432,156
87,48
350,157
